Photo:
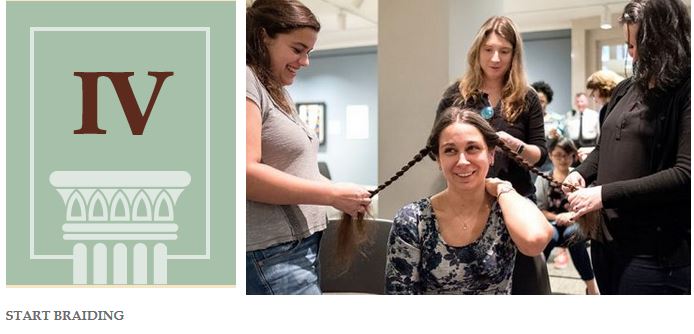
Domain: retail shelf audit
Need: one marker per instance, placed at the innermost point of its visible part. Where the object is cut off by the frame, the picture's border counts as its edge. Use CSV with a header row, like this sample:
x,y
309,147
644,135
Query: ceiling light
x,y
341,20
605,19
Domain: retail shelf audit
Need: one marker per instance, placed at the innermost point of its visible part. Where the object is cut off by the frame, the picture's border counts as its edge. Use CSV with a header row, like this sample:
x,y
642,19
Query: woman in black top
x,y
495,67
643,160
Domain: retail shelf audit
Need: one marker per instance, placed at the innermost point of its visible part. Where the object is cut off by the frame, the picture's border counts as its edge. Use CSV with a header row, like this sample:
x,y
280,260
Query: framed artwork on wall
x,y
313,114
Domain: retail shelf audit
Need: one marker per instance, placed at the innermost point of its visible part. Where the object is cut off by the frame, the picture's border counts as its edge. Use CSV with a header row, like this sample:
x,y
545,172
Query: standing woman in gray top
x,y
284,190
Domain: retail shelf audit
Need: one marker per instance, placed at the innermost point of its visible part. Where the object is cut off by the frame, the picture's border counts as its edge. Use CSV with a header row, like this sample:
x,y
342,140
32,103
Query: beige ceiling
x,y
359,26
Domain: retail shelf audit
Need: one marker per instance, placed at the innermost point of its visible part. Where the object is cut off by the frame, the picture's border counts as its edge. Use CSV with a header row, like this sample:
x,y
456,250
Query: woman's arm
x,y
269,185
526,224
534,149
530,153
588,169
403,256
550,216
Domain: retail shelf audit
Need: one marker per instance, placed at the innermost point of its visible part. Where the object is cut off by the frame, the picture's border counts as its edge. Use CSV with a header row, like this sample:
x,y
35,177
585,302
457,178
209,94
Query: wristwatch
x,y
521,148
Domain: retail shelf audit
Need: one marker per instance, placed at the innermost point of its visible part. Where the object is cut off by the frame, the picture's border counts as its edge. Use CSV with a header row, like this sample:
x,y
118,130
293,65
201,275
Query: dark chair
x,y
530,276
323,169
367,274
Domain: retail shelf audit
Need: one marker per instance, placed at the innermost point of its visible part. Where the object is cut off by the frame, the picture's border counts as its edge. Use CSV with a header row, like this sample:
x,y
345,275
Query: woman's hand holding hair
x,y
564,219
585,200
512,142
575,179
350,198
530,153
583,152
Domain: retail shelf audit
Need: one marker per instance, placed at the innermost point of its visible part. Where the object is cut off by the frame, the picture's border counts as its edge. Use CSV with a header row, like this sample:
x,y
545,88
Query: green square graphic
x,y
145,199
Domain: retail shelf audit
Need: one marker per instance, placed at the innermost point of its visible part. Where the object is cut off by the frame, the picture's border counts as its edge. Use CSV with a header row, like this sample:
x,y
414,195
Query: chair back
x,y
367,271
323,169
530,276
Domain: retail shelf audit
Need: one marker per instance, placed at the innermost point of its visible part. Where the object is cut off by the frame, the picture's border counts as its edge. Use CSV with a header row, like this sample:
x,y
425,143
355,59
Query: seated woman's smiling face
x,y
464,157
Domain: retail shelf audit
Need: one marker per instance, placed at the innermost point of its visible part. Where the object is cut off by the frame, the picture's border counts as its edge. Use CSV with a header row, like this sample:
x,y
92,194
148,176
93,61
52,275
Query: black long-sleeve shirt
x,y
643,163
528,127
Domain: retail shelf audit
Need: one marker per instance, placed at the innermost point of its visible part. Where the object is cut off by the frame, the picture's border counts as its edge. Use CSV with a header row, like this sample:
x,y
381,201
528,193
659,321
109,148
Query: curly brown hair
x,y
603,82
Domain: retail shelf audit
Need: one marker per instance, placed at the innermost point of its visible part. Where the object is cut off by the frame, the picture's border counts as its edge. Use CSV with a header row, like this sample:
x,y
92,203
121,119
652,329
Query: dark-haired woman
x,y
464,239
495,67
284,190
553,204
642,163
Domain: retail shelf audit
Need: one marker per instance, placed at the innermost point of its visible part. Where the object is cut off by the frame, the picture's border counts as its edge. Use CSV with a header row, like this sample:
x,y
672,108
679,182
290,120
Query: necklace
x,y
469,220
463,221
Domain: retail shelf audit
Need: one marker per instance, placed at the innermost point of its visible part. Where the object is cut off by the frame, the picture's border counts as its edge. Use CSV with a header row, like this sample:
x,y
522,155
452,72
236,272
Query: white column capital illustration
x,y
113,207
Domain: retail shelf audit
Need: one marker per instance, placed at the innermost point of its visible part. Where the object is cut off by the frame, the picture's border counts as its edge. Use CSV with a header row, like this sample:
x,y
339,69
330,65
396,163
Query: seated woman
x,y
553,203
464,239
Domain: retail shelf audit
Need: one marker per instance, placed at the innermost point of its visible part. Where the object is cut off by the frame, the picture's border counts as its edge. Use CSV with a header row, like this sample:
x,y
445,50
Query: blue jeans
x,y
290,268
577,249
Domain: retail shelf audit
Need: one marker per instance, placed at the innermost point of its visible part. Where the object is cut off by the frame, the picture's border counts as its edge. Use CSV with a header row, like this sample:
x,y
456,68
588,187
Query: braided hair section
x,y
353,232
417,158
518,159
587,224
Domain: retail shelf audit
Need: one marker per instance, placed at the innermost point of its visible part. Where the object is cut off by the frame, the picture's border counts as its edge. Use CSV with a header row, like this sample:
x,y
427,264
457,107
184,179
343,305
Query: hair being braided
x,y
417,158
519,160
587,224
353,231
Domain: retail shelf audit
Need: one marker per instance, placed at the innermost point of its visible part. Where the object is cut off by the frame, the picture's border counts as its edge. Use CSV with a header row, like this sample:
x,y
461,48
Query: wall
x,y
350,76
548,58
340,78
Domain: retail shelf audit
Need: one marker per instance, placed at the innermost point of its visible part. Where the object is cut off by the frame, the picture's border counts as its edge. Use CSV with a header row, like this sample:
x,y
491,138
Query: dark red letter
x,y
121,84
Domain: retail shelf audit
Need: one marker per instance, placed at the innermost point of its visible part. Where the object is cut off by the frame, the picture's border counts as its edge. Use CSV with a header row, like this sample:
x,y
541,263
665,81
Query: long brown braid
x,y
417,158
519,160
587,224
353,231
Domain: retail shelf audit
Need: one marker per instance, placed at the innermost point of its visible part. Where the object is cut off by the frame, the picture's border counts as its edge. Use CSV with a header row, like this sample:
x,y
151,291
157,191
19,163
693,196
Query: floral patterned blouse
x,y
420,262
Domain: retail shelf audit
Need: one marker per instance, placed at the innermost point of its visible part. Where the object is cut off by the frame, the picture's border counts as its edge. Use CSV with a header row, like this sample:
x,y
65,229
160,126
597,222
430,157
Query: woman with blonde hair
x,y
495,69
600,86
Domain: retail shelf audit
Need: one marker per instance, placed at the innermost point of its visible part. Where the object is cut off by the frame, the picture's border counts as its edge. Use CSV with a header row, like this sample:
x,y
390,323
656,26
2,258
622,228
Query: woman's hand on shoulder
x,y
350,198
495,186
